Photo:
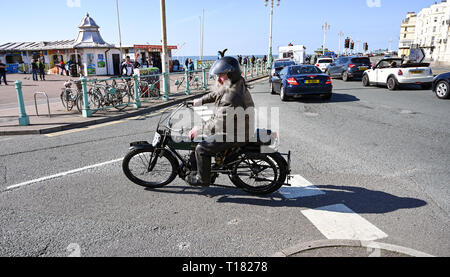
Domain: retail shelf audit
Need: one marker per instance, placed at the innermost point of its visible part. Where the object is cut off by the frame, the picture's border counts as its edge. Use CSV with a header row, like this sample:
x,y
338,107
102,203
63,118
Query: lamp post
x,y
325,28
340,34
120,34
165,57
270,58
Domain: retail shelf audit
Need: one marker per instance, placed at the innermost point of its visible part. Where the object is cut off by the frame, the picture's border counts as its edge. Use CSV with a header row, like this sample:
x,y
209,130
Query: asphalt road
x,y
376,162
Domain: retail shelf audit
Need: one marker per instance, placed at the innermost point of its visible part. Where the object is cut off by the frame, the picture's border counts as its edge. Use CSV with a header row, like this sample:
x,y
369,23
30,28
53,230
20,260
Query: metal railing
x,y
119,93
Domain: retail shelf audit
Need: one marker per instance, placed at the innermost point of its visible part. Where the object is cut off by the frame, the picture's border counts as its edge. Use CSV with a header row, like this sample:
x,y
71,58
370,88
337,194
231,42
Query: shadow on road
x,y
359,200
337,98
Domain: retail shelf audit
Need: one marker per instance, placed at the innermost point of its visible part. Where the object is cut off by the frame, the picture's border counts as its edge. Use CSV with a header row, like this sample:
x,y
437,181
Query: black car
x,y
278,65
298,80
441,86
349,68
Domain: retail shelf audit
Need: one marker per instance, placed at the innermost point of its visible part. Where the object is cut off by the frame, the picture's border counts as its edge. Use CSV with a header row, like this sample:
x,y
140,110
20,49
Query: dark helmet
x,y
228,65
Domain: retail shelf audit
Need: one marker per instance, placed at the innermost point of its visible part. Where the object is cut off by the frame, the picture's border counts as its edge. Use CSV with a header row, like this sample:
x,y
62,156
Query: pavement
x,y
60,119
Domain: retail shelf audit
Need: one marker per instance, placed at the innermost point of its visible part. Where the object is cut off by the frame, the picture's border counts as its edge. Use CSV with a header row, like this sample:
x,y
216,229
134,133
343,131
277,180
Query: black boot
x,y
194,181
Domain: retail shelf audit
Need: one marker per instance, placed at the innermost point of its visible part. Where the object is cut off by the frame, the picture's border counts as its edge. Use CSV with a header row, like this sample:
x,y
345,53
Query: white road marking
x,y
59,175
340,222
300,188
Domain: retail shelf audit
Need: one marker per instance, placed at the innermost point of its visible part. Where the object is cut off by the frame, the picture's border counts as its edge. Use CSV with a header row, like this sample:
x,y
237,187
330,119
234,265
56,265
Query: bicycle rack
x,y
48,103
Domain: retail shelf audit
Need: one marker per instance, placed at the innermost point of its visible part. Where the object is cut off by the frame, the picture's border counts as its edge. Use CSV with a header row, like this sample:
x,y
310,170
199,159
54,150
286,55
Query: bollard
x,y
245,70
188,90
24,120
205,81
251,70
165,86
86,109
137,103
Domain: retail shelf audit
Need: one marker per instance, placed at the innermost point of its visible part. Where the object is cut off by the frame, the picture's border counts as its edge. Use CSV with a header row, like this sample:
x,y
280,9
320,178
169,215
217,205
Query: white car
x,y
323,63
394,73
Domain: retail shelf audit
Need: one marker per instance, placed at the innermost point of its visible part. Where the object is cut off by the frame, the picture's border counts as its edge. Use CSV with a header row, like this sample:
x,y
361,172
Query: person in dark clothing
x,y
3,73
41,67
230,95
34,69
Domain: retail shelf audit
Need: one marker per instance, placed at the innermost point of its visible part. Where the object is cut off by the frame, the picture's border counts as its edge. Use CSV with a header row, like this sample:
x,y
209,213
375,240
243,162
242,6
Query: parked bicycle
x,y
69,96
194,81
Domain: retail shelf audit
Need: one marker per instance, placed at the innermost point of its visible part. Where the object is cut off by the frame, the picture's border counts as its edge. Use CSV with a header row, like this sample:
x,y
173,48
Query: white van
x,y
296,53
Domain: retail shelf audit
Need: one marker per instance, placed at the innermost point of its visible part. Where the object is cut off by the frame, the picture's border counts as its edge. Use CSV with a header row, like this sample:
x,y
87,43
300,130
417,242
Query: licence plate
x,y
363,68
312,82
416,71
156,140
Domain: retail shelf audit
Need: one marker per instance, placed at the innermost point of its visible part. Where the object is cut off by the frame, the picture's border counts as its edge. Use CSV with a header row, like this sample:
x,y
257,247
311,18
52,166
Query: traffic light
x,y
366,46
347,43
352,46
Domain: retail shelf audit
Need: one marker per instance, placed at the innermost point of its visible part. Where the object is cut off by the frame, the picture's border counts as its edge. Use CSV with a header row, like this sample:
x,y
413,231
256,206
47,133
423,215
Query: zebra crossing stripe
x,y
340,222
300,187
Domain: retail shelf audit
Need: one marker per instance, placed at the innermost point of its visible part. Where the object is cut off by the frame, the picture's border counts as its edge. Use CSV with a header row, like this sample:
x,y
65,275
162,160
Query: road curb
x,y
129,114
315,245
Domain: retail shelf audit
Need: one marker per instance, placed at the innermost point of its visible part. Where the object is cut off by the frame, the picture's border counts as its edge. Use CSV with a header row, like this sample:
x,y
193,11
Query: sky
x,y
242,26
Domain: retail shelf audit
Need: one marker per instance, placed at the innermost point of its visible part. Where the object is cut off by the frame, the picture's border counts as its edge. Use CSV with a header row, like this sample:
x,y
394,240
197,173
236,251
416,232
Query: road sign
x,y
417,55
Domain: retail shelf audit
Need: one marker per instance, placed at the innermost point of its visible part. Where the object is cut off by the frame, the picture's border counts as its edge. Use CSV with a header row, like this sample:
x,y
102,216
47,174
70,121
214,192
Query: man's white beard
x,y
226,84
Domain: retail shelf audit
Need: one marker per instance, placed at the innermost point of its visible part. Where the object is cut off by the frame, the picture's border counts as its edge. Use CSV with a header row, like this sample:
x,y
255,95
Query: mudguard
x,y
139,145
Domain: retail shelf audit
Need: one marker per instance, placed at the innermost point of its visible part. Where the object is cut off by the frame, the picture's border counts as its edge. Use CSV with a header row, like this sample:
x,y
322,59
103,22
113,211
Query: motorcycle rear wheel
x,y
258,174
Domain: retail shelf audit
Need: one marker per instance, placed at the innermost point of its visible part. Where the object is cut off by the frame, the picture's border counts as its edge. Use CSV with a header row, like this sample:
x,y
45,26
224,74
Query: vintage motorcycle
x,y
157,164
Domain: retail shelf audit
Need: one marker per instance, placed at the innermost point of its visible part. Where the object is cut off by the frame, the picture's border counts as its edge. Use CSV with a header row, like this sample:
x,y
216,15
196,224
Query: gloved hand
x,y
197,103
194,133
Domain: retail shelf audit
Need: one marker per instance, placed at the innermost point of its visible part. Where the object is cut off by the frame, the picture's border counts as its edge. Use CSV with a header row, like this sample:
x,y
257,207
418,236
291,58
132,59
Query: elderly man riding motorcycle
x,y
233,102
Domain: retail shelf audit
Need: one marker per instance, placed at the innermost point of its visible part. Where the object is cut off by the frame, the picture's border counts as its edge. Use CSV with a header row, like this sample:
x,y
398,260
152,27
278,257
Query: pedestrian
x,y
127,67
62,65
253,60
34,69
191,69
240,59
41,68
3,73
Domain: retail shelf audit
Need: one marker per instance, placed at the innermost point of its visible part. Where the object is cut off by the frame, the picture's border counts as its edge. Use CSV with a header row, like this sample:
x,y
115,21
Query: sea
x,y
182,59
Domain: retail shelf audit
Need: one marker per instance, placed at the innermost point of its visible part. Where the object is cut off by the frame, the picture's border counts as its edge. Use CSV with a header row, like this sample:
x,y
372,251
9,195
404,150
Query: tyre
x,y
259,174
443,90
272,91
137,163
94,97
366,81
392,84
326,96
283,96
426,86
121,99
345,77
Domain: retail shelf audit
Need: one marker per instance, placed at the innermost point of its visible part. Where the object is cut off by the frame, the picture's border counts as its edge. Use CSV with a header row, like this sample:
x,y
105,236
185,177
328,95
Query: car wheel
x,y
392,83
283,95
366,81
345,76
443,90
426,86
326,96
272,91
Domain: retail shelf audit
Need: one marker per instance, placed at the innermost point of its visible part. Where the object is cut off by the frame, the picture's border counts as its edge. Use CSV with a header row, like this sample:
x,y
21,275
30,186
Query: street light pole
x,y
340,34
270,59
325,27
164,56
120,34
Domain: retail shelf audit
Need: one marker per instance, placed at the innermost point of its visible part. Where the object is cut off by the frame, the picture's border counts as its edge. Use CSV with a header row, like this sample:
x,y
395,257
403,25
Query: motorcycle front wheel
x,y
146,168
258,174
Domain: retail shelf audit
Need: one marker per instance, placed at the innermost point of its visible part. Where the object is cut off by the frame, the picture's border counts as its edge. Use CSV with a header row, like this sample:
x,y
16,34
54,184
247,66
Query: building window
x,y
434,29
432,41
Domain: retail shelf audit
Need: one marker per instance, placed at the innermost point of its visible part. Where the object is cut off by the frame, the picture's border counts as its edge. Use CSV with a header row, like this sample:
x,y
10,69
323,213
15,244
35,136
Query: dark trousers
x,y
3,76
42,74
35,74
207,149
